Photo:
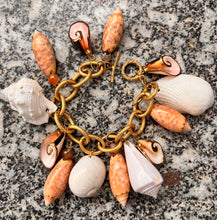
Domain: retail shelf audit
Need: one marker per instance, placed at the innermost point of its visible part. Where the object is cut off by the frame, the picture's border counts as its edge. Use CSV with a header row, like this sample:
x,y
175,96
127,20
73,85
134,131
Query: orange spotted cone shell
x,y
57,181
169,118
119,178
44,54
113,31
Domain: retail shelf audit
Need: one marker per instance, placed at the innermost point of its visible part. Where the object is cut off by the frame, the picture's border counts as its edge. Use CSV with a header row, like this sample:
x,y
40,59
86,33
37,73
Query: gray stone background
x,y
183,29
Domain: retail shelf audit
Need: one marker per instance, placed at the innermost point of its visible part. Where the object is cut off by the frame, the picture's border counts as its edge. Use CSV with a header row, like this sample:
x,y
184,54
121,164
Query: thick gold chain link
x,y
85,72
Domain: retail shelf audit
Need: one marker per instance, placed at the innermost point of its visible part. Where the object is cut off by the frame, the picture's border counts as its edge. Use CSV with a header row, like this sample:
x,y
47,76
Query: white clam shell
x,y
144,177
26,96
87,176
185,93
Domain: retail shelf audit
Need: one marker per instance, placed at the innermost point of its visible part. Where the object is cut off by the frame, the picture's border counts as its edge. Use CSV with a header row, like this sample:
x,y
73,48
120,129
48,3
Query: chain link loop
x,y
94,153
77,76
83,69
139,131
59,124
82,131
61,84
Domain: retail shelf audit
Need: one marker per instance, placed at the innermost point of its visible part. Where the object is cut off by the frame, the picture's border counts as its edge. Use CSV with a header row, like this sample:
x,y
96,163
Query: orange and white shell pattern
x,y
113,31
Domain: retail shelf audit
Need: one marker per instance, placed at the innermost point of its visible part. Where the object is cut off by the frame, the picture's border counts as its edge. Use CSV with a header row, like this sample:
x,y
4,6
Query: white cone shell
x,y
185,93
26,96
87,176
144,177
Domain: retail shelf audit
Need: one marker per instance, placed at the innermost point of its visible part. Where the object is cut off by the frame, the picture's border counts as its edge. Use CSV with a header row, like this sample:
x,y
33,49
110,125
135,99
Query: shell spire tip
x,y
118,9
47,202
186,127
35,32
123,203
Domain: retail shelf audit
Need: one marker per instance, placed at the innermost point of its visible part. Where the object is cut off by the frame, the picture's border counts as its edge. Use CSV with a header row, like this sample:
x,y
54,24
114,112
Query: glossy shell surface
x,y
144,177
51,147
169,118
185,93
79,34
113,31
87,176
119,178
44,53
57,181
152,150
165,65
26,96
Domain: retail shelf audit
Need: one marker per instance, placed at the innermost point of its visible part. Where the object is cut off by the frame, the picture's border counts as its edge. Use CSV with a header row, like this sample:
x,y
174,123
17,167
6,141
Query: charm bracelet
x,y
79,35
88,174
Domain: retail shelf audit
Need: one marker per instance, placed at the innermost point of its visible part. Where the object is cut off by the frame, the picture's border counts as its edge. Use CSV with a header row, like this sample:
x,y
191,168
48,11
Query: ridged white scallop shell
x,y
185,93
144,177
87,176
26,96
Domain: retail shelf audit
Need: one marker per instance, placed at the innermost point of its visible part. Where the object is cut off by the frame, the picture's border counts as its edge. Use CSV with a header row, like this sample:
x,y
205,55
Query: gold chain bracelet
x,y
86,71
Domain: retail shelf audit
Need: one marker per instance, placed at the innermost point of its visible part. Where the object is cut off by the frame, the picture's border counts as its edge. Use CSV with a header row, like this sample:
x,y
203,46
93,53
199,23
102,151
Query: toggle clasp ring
x,y
135,63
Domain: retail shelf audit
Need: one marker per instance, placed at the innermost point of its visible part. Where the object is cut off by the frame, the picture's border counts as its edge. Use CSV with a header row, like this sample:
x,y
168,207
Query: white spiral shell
x,y
26,96
185,93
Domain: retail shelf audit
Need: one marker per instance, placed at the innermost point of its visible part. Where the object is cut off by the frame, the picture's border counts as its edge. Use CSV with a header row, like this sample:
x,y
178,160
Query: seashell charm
x,y
57,181
119,178
185,93
152,150
51,147
165,65
87,176
144,177
45,57
79,34
112,34
169,118
26,97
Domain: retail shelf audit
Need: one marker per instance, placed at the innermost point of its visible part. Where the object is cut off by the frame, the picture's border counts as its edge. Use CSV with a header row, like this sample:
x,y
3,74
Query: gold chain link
x,y
86,71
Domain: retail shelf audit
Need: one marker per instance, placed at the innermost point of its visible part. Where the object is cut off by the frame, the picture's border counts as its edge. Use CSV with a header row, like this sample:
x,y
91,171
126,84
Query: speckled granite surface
x,y
184,29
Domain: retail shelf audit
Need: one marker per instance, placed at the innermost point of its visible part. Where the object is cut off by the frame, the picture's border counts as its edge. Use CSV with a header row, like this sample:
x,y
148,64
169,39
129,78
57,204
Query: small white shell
x,y
26,96
87,176
185,93
144,177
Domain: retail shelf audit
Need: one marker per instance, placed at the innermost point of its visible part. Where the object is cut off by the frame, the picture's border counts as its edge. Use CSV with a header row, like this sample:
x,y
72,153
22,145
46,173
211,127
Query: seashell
x,y
112,34
87,176
152,150
119,178
51,147
144,177
185,93
45,57
165,65
169,118
79,33
26,97
57,181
